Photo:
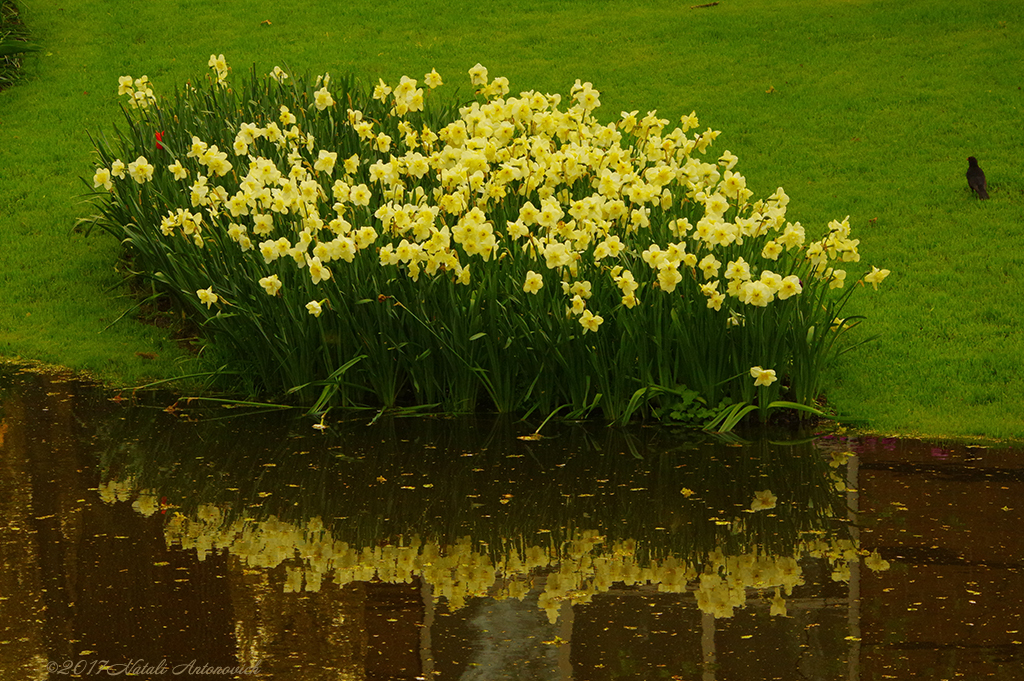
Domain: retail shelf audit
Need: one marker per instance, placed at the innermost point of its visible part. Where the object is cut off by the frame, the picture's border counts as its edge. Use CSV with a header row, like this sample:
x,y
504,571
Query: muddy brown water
x,y
205,542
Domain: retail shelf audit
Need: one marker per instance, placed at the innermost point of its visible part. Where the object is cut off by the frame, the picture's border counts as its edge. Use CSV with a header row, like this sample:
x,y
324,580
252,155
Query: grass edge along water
x,y
349,246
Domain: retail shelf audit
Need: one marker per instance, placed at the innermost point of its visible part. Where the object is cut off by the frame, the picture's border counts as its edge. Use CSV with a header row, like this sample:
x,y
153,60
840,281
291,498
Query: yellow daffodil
x,y
762,377
738,269
709,265
590,321
790,286
314,308
669,276
771,251
432,79
101,178
263,224
478,75
381,90
875,277
141,170
317,271
715,301
755,293
533,282
271,284
207,296
772,280
179,171
360,195
124,85
322,99
836,278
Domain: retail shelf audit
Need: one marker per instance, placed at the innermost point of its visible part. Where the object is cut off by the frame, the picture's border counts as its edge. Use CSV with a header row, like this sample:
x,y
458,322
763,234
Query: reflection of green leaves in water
x,y
597,505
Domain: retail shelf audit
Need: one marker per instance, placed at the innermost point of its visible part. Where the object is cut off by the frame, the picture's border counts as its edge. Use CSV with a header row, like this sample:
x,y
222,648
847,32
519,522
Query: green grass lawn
x,y
861,108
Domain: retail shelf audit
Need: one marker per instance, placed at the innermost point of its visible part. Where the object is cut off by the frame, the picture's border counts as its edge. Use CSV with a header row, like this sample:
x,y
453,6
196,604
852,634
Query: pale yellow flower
x,y
207,296
101,178
179,171
590,321
263,224
762,377
271,284
533,282
875,276
124,85
836,278
141,170
755,293
771,250
314,308
581,288
709,265
217,62
432,79
789,287
478,75
322,98
669,276
360,195
381,90
317,271
771,280
715,301
738,269
727,160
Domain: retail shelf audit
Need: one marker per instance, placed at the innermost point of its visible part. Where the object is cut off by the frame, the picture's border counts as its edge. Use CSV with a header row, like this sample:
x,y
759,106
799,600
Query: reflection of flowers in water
x,y
146,501
763,501
117,490
572,572
566,566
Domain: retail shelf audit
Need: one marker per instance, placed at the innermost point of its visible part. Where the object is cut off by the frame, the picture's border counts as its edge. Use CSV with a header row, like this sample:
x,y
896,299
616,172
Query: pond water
x,y
144,537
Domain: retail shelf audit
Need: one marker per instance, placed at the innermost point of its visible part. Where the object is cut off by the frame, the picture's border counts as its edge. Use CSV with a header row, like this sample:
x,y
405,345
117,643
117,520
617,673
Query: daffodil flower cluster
x,y
140,94
220,67
519,194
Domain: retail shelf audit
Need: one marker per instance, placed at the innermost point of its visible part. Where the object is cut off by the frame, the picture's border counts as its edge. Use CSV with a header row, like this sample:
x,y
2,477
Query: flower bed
x,y
390,247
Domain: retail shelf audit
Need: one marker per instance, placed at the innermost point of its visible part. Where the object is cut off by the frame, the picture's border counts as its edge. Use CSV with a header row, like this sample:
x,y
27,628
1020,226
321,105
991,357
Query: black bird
x,y
976,178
